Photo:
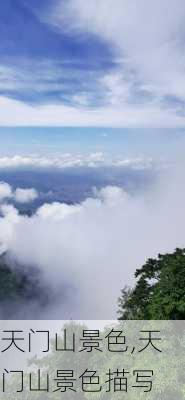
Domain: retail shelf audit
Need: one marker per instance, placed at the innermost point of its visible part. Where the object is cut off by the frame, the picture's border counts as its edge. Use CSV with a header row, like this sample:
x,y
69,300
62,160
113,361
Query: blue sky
x,y
40,64
123,143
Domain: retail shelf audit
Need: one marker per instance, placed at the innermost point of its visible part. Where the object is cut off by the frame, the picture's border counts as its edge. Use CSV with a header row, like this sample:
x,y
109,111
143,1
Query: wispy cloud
x,y
18,113
147,42
95,64
147,37
51,81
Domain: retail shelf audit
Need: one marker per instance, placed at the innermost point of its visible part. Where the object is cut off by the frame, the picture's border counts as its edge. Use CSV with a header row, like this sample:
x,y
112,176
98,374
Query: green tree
x,y
159,292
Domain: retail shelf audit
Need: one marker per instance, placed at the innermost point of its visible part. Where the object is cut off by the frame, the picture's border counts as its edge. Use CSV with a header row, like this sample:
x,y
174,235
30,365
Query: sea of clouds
x,y
86,253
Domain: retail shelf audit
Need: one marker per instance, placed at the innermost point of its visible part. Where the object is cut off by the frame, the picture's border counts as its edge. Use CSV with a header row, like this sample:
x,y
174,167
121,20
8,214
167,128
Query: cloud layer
x,y
68,160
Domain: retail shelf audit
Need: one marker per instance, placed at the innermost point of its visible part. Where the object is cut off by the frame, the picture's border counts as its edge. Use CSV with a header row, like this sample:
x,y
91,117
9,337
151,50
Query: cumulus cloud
x,y
93,248
68,160
19,195
25,195
5,191
56,211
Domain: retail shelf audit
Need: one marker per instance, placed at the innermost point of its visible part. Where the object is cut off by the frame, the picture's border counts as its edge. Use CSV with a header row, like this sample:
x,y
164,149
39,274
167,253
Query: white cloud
x,y
56,211
148,36
137,115
117,89
145,88
112,195
19,195
25,195
68,160
5,191
147,40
